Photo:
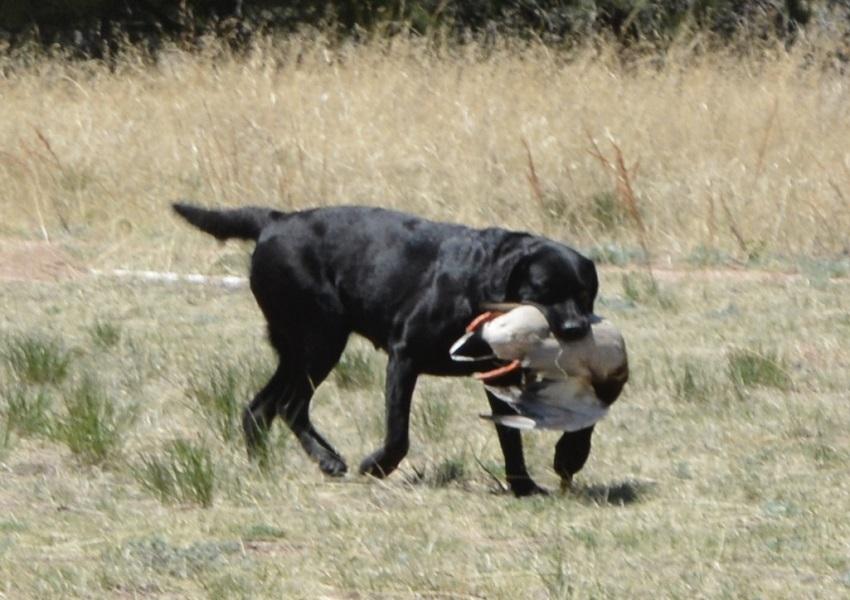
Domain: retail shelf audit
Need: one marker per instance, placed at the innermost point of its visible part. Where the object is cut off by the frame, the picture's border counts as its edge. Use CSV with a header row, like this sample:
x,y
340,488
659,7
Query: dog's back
x,y
368,266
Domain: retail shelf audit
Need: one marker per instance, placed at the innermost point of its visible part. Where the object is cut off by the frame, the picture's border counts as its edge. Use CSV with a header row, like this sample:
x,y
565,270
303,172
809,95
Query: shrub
x,y
37,359
93,427
185,473
26,411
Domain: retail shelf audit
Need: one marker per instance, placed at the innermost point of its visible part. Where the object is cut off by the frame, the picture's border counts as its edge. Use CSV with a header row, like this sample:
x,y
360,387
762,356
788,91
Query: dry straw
x,y
94,152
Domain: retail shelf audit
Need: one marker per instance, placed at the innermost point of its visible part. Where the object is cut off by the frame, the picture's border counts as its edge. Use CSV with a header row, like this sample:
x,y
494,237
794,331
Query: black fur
x,y
410,286
242,223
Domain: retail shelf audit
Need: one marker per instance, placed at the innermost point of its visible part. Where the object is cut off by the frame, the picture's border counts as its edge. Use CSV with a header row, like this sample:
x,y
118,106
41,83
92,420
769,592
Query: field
x,y
710,189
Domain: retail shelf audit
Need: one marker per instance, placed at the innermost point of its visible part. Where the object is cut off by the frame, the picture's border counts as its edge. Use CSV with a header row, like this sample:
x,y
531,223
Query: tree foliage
x,y
88,23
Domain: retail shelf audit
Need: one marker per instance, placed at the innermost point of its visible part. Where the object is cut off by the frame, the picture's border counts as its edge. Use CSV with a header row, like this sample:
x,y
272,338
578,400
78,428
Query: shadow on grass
x,y
614,494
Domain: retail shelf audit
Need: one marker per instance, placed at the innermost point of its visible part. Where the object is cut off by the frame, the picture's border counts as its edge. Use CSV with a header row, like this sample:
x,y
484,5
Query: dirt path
x,y
36,261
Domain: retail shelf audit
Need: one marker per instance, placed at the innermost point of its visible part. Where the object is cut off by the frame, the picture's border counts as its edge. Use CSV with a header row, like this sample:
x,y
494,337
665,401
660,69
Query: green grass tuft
x,y
185,473
37,359
221,392
26,411
263,532
93,427
105,335
751,368
220,395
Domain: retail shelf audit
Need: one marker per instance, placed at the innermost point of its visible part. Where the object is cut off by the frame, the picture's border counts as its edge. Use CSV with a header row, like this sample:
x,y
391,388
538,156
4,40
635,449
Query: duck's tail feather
x,y
513,421
471,347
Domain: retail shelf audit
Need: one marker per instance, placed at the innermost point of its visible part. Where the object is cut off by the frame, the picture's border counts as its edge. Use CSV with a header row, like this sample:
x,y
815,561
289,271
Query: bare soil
x,y
36,261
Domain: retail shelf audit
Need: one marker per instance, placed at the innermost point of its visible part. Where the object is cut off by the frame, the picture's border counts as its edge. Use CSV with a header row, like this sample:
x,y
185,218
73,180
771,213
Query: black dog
x,y
408,285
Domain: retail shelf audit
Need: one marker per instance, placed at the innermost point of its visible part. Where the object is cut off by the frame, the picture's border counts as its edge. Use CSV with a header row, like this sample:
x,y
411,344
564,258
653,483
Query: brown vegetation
x,y
745,158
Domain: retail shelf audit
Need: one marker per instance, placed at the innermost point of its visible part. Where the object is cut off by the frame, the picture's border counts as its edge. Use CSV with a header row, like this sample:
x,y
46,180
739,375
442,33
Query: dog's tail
x,y
243,223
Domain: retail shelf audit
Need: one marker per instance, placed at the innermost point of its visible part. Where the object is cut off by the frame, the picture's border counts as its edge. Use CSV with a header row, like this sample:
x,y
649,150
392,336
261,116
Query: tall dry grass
x,y
746,157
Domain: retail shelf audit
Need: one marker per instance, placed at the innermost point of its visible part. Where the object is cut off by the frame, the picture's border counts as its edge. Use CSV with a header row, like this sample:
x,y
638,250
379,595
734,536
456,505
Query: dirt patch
x,y
36,261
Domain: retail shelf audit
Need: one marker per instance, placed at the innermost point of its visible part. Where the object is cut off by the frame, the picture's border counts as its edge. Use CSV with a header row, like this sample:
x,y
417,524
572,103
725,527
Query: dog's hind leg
x,y
258,415
295,410
510,440
308,363
304,364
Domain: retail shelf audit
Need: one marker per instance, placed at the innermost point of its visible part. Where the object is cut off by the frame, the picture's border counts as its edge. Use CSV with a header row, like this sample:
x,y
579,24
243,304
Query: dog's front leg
x,y
571,453
510,440
401,379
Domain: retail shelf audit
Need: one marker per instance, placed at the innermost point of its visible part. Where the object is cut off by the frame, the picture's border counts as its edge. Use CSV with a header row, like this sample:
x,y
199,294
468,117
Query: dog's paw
x,y
333,467
522,488
379,464
370,466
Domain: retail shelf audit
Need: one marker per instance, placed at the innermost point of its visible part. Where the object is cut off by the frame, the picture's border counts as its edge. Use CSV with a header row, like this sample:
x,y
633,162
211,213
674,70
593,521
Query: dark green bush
x,y
87,23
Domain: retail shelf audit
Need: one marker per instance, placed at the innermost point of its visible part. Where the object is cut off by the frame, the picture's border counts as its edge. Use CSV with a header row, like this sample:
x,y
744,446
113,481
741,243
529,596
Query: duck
x,y
566,385
508,332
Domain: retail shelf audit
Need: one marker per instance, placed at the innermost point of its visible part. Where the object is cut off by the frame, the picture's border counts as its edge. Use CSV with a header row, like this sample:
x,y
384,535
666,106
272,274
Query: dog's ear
x,y
511,264
537,275
518,285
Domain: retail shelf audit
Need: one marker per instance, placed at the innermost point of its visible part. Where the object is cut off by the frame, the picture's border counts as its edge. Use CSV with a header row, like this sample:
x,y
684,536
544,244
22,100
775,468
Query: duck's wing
x,y
511,394
552,392
546,417
549,404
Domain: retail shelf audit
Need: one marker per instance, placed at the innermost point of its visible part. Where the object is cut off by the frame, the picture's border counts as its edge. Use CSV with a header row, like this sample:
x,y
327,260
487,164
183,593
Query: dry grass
x,y
702,483
744,157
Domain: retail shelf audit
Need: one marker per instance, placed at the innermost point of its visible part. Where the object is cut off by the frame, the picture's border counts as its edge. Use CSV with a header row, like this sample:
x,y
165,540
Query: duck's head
x,y
608,362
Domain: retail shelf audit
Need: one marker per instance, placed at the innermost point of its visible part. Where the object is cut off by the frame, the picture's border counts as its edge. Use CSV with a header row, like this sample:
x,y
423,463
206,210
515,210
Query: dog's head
x,y
562,282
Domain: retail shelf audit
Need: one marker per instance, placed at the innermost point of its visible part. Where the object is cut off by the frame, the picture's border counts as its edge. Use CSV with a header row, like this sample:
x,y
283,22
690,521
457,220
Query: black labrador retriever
x,y
410,286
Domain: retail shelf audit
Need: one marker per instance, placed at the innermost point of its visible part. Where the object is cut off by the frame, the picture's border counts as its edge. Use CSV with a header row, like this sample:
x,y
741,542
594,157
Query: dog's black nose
x,y
573,329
